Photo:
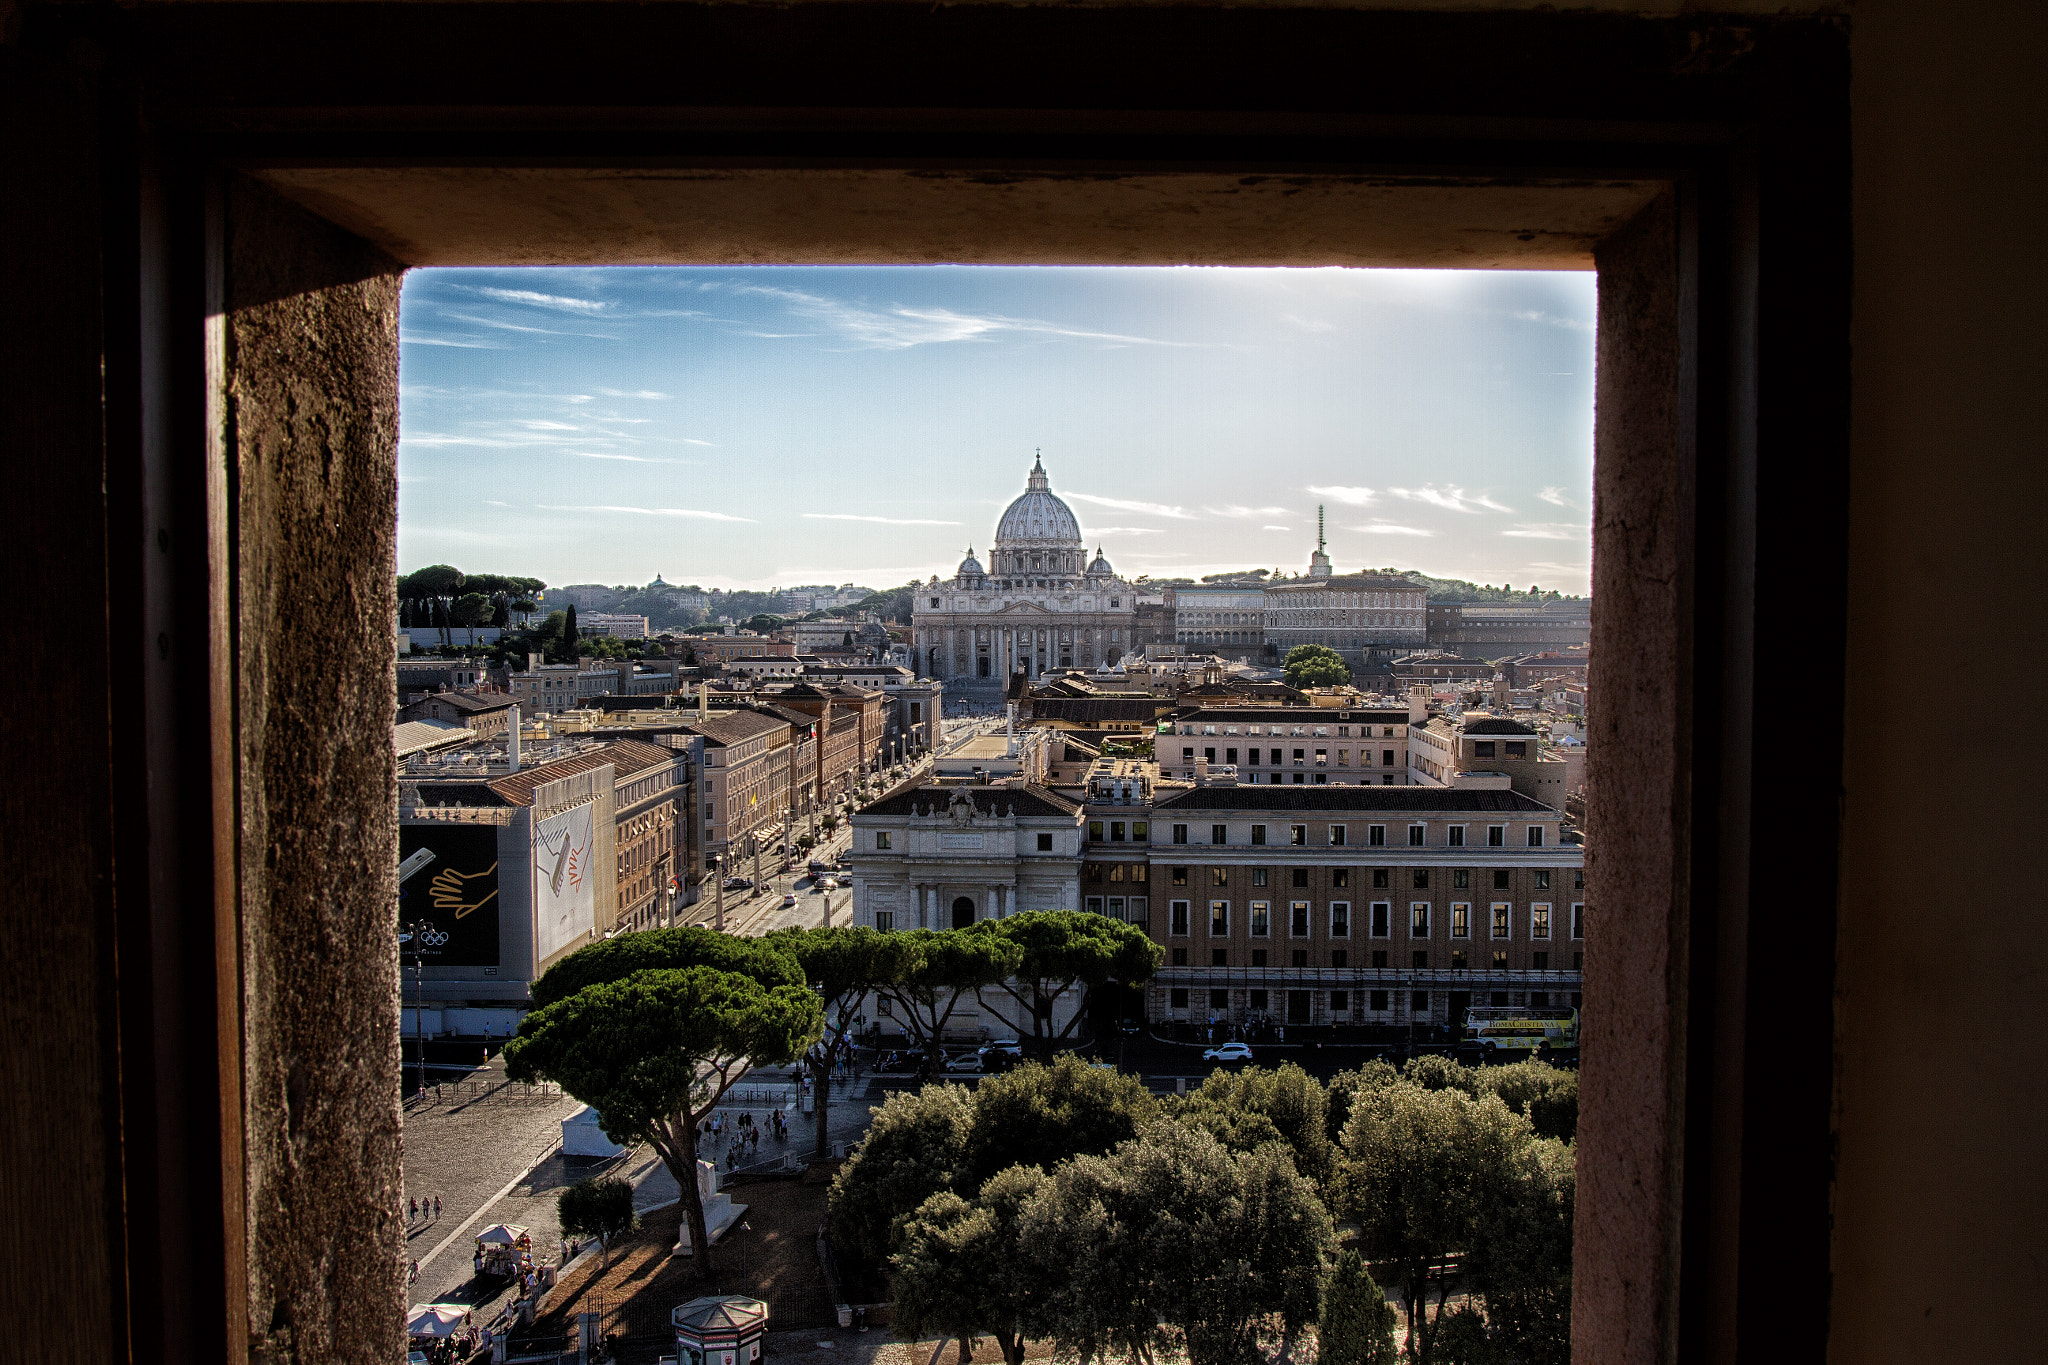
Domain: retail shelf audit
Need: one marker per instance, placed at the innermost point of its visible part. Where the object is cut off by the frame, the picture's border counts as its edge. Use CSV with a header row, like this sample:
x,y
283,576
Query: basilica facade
x,y
1040,603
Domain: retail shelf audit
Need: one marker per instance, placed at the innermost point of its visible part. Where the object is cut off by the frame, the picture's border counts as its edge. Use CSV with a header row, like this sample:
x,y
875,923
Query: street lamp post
x,y
718,880
413,934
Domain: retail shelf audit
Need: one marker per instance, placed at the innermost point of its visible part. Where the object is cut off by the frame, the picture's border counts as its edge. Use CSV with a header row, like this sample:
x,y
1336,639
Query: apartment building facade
x,y
1358,905
746,777
1288,745
1451,753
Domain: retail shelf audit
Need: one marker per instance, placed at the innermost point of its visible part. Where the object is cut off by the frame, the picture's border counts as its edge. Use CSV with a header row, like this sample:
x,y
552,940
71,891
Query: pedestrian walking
x,y
437,1208
414,1214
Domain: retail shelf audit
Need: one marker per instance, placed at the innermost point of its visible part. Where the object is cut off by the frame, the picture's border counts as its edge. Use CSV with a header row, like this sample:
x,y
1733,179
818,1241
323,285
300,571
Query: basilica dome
x,y
970,567
1039,518
1101,565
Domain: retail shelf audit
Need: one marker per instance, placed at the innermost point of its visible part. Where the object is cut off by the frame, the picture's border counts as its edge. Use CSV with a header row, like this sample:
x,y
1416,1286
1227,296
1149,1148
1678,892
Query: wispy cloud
x,y
414,339
1449,497
1549,530
542,424
693,441
633,393
629,459
1247,513
885,521
898,328
1553,320
1157,509
1128,531
1391,528
557,302
1345,493
691,512
501,325
1276,528
1556,498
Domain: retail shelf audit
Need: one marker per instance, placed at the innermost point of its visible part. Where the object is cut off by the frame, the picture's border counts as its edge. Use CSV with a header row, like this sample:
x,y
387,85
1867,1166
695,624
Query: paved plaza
x,y
497,1159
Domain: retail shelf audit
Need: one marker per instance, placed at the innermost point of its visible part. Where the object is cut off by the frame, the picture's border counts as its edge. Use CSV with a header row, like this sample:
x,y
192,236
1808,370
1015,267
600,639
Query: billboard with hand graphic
x,y
564,882
453,895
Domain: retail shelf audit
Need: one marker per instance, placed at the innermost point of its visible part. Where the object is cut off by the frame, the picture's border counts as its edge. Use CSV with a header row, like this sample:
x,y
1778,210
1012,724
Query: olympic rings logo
x,y
433,938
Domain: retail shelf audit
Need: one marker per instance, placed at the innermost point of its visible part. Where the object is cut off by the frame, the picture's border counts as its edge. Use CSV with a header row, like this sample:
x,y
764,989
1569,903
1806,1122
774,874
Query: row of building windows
x,y
1375,1002
1340,877
1322,758
1340,959
1295,731
1339,836
1498,918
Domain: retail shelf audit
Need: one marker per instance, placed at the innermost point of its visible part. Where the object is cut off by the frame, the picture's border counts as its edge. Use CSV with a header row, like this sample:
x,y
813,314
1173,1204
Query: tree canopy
x,y
914,1149
1043,1115
600,1207
1426,1170
844,964
964,1271
1316,666
1057,951
944,967
615,959
1246,1109
651,1029
1172,1230
1357,1325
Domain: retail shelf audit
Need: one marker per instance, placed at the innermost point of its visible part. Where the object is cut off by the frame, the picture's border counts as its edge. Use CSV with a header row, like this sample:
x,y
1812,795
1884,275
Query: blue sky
x,y
749,427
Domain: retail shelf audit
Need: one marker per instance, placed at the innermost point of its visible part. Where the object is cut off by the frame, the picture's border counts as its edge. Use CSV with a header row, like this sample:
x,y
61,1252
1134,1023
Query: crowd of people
x,y
741,1136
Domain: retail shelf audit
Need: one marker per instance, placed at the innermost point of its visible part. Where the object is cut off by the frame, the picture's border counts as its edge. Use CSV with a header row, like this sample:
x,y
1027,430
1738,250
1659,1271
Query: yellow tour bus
x,y
1514,1033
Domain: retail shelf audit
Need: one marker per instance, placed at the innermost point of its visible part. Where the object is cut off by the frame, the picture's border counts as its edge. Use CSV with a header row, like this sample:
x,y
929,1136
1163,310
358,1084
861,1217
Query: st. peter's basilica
x,y
1039,604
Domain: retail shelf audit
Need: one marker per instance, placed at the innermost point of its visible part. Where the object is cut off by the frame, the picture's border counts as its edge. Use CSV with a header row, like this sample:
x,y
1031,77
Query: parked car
x,y
1229,1052
738,884
825,884
788,899
966,1061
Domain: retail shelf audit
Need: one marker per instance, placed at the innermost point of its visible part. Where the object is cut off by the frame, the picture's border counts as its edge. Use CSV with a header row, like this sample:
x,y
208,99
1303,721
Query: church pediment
x,y
1024,609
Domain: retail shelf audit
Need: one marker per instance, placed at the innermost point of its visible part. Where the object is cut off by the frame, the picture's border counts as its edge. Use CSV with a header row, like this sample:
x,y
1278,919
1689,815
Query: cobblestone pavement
x,y
500,1161
466,1153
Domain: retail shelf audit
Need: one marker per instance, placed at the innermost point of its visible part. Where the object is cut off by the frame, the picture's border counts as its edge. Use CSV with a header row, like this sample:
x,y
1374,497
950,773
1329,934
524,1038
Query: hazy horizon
x,y
756,427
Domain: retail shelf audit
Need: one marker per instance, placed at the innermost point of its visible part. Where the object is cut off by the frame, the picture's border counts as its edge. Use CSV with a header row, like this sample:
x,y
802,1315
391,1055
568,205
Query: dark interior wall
x,y
1625,1247
311,368
60,1170
1941,1194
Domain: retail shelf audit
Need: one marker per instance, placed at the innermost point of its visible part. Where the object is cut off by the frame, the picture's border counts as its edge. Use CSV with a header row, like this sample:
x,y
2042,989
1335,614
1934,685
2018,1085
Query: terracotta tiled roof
x,y
626,756
736,727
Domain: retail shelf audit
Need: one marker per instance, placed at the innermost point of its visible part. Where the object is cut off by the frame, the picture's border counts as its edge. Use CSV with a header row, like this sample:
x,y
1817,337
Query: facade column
x,y
994,909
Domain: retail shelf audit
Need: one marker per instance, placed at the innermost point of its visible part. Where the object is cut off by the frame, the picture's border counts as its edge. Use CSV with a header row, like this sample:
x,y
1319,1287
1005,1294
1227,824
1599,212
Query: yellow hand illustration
x,y
449,893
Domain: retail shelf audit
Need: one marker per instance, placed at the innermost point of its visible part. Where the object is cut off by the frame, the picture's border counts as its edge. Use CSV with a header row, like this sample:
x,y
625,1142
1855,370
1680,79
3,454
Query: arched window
x,y
963,912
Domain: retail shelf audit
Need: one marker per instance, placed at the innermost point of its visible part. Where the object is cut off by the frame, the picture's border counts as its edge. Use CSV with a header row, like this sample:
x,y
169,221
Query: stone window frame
x,y
1636,280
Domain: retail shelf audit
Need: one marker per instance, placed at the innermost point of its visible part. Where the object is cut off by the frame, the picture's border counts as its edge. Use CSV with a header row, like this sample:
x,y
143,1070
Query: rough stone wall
x,y
1624,1256
312,429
